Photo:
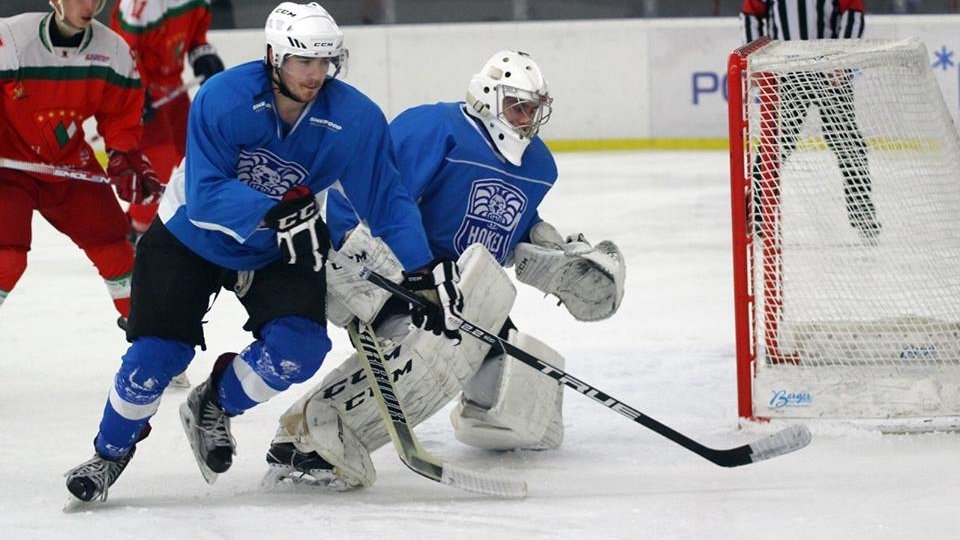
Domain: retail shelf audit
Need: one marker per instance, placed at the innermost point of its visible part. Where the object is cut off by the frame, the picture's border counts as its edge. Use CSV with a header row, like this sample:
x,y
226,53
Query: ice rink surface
x,y
668,353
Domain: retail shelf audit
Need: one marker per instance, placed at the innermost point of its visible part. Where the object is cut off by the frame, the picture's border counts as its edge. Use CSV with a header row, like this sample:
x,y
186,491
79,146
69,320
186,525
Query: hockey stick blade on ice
x,y
408,446
782,442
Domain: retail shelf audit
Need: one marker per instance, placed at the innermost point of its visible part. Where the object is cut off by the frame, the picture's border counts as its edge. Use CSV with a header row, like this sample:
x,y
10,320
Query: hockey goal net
x,y
845,177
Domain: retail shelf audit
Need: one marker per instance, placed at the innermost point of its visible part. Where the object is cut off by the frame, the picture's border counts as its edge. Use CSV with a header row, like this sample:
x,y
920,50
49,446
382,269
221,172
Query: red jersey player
x,y
56,70
160,34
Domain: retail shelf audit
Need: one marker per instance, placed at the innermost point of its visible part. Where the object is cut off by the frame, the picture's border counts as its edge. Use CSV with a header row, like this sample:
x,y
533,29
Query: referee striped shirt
x,y
787,20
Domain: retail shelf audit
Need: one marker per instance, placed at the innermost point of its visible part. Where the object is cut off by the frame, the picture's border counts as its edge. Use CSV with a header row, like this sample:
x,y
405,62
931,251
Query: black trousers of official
x,y
832,94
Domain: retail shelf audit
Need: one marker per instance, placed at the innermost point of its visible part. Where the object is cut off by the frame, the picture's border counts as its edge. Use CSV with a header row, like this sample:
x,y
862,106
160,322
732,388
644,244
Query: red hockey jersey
x,y
160,33
48,91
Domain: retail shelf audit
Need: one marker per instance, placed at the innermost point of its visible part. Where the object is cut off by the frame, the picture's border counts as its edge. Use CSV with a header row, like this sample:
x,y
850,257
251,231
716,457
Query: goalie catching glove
x,y
444,311
301,233
587,279
133,177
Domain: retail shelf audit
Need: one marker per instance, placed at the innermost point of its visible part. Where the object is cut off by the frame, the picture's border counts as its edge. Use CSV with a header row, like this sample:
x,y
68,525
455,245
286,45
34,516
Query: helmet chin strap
x,y
281,86
62,21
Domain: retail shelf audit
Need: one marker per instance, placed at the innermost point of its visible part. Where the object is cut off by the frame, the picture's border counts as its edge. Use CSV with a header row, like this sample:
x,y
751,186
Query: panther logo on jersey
x,y
267,173
493,211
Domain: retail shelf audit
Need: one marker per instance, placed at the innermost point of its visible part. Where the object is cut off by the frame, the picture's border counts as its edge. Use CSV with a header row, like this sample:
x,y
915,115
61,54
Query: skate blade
x,y
74,505
282,475
180,382
186,419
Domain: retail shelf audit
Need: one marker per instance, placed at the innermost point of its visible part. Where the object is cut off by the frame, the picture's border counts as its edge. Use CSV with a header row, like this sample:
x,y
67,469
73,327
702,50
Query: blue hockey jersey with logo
x,y
466,193
239,164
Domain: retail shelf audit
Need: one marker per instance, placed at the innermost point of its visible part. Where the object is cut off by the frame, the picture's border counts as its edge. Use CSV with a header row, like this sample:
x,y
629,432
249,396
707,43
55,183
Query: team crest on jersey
x,y
493,211
59,127
267,173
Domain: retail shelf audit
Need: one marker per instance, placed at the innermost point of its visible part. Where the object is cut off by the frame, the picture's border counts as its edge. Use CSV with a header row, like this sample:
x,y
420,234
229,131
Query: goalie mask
x,y
305,30
510,97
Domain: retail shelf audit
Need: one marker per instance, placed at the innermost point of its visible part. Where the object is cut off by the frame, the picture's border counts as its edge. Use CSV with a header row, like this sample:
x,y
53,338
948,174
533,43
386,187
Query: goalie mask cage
x,y
845,189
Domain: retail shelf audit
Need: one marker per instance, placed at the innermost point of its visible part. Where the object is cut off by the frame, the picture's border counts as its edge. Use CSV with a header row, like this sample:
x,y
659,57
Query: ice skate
x,y
208,429
93,478
179,382
290,465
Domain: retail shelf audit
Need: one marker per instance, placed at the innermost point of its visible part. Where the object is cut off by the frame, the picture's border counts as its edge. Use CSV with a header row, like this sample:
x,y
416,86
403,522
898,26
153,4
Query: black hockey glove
x,y
205,61
438,285
301,233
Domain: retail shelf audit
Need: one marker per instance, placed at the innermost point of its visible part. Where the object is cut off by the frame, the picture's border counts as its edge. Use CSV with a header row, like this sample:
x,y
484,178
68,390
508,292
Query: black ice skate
x,y
289,464
93,478
208,429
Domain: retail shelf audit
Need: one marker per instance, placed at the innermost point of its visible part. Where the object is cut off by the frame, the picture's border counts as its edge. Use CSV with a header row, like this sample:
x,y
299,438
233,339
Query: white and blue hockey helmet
x,y
509,83
304,30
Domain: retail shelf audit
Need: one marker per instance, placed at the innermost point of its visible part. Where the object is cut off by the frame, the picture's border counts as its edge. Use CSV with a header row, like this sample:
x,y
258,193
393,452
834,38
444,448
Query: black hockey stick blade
x,y
782,442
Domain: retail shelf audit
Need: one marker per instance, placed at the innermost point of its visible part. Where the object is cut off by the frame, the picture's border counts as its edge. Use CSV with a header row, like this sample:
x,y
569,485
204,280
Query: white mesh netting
x,y
856,177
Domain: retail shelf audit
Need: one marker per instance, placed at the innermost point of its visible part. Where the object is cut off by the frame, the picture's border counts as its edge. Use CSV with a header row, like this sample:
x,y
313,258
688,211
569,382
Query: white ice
x,y
668,353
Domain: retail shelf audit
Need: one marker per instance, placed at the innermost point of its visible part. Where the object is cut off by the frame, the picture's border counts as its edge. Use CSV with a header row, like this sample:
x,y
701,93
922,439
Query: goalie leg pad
x,y
587,279
427,370
315,426
347,294
507,405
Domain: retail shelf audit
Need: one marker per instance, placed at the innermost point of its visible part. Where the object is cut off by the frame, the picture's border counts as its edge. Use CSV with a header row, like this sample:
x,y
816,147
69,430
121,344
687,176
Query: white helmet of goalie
x,y
511,98
305,30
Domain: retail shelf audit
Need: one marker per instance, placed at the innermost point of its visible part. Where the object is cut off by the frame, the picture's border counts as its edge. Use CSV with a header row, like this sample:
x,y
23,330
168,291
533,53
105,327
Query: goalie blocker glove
x,y
444,314
133,177
302,235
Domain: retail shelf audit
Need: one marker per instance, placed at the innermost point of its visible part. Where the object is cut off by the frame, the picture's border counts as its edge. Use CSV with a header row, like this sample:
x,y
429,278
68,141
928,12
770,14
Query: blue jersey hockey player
x,y
478,171
264,139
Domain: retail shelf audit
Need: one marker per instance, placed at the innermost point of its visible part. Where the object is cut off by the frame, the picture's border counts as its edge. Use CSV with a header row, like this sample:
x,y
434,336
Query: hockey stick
x,y
177,92
408,446
782,442
53,170
174,94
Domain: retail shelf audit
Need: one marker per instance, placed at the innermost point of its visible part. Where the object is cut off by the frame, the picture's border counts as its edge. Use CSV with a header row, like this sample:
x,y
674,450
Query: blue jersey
x,y
465,192
239,163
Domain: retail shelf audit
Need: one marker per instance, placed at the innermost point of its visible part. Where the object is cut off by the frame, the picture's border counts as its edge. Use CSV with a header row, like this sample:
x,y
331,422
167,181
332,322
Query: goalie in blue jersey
x,y
478,171
265,139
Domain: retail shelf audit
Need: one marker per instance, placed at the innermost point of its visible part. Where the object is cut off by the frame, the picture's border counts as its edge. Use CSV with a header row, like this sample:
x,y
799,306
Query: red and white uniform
x,y
47,93
161,33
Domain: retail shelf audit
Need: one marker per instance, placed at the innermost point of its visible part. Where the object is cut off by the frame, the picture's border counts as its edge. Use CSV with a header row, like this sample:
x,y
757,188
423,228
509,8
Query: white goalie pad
x,y
508,405
587,279
314,425
428,370
348,295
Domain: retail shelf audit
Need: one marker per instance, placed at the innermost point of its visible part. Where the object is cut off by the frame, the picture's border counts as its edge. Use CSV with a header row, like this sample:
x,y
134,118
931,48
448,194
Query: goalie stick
x,y
408,446
784,441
